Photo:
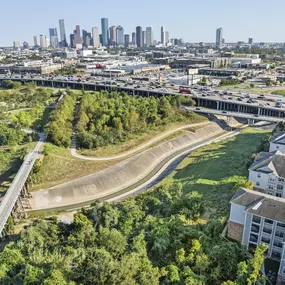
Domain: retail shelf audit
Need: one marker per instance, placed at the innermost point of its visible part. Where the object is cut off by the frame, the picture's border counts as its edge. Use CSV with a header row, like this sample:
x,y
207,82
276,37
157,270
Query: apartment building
x,y
278,142
268,173
259,218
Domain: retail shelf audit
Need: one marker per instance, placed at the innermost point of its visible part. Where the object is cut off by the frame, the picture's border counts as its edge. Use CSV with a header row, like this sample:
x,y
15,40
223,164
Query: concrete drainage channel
x,y
162,170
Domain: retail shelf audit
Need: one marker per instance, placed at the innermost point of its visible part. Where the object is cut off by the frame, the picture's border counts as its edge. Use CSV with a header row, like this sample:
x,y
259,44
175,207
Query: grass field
x,y
58,166
214,170
279,92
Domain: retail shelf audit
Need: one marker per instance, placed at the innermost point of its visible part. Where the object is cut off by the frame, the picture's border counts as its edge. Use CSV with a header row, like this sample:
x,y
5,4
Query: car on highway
x,y
198,108
224,112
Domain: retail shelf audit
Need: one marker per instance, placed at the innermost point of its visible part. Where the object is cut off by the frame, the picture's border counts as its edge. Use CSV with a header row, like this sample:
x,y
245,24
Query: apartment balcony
x,y
267,231
255,228
256,219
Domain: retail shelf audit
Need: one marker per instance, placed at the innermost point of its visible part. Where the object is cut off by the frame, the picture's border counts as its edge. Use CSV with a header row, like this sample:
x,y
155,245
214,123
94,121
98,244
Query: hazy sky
x,y
191,20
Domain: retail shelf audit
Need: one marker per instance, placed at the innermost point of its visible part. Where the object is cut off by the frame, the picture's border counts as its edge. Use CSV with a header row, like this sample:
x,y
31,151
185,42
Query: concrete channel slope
x,y
12,194
120,176
134,150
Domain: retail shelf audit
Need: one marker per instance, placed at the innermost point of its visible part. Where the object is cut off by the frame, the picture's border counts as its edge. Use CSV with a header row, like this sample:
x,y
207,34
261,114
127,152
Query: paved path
x,y
134,150
12,194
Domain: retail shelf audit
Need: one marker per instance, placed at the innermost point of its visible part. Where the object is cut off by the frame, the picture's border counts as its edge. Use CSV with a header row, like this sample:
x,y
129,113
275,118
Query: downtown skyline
x,y
191,21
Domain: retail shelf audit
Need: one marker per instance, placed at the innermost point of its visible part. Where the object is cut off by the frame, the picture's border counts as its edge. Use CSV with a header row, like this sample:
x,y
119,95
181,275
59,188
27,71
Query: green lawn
x,y
279,92
214,170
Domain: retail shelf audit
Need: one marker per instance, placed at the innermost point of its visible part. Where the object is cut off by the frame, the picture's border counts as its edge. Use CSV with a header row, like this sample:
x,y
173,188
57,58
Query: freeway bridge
x,y
211,100
12,202
251,118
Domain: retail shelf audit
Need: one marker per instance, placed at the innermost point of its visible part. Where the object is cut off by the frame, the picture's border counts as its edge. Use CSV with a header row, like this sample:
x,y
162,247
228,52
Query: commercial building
x,y
268,173
105,31
219,37
162,35
220,72
86,38
139,36
63,42
278,142
120,35
149,36
166,37
95,37
53,37
77,38
43,41
134,39
127,40
16,44
206,62
143,38
113,36
35,41
38,67
257,218
250,41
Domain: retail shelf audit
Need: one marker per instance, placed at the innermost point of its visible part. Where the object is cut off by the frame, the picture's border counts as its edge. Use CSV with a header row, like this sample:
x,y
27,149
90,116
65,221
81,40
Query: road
x,y
235,114
134,150
12,194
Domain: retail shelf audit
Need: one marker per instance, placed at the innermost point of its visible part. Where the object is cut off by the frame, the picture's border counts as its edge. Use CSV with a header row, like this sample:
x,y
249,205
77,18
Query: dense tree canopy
x,y
154,238
110,118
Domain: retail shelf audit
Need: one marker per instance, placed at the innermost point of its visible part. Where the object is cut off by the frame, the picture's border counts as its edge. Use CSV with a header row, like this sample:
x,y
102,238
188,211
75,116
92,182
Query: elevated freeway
x,y
13,195
214,99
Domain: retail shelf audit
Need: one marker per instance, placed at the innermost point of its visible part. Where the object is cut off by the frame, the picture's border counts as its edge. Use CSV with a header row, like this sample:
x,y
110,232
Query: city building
x,y
257,218
219,37
250,41
278,142
77,38
72,43
139,36
134,39
54,42
143,38
105,31
127,40
113,36
149,36
166,37
63,41
120,35
95,37
38,67
36,41
43,41
26,45
53,37
162,35
16,44
267,172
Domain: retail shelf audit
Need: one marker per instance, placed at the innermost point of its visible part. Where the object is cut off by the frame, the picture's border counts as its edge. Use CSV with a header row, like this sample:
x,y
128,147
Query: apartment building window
x,y
256,219
283,270
270,187
255,228
281,225
278,244
253,238
279,234
258,175
278,195
279,187
281,179
268,231
268,221
257,183
271,179
266,240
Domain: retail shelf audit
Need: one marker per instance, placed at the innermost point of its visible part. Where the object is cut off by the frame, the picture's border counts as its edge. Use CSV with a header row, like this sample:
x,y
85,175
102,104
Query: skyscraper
x,y
77,37
219,37
16,44
86,38
105,31
95,36
250,41
43,41
72,43
120,35
134,38
149,36
53,37
139,36
113,37
63,42
127,40
162,35
166,37
35,41
143,38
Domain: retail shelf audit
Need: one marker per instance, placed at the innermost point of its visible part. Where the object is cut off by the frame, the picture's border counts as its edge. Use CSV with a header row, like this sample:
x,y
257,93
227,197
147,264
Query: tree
x,y
251,85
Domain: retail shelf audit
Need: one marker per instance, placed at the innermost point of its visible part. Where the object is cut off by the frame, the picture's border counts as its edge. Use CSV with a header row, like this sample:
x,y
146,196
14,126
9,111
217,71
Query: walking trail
x,y
132,151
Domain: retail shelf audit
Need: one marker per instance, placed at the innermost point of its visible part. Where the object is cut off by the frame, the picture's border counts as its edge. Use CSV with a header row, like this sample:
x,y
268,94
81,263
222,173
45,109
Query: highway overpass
x,y
209,100
250,117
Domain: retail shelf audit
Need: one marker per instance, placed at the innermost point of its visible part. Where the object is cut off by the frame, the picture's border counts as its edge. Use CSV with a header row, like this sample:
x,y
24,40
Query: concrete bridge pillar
x,y
259,110
218,105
